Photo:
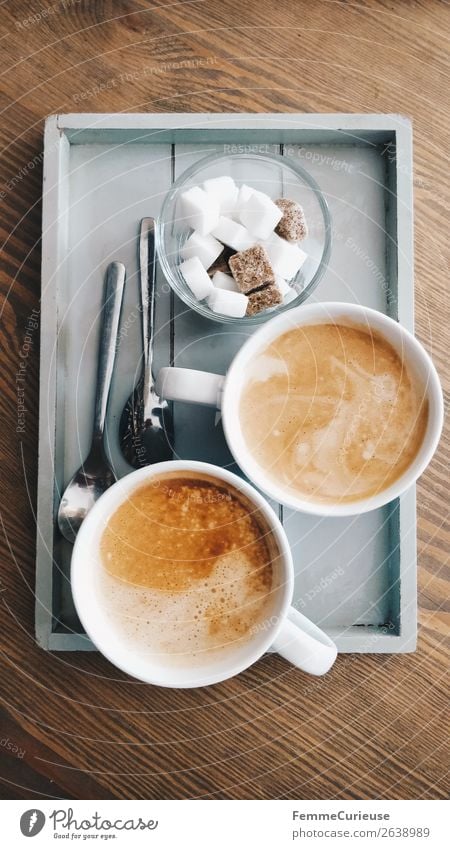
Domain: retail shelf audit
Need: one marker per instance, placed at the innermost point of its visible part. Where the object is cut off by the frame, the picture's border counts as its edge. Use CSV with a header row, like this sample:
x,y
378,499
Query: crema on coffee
x,y
331,413
187,568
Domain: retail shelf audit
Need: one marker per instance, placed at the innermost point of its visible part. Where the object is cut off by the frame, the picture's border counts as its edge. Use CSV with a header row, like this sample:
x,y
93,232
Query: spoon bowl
x,y
146,437
87,485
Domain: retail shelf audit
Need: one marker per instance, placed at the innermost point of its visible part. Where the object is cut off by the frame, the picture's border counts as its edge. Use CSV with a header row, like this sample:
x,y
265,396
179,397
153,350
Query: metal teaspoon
x,y
146,424
95,475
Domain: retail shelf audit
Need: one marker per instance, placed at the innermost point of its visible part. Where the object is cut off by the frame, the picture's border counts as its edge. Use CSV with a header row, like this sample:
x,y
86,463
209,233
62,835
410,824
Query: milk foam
x,y
331,412
209,618
178,627
186,568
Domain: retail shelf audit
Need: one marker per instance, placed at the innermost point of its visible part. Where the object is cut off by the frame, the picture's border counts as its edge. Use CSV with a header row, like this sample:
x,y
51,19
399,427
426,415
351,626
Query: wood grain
x,y
375,727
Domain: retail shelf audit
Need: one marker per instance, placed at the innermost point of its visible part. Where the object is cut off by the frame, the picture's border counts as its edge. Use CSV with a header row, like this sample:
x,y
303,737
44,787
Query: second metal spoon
x,y
146,424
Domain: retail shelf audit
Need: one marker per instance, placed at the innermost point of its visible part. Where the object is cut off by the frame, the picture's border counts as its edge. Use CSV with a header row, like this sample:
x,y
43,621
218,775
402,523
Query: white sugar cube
x,y
233,304
224,190
286,258
224,281
207,248
260,215
233,234
199,210
282,285
288,293
244,193
196,277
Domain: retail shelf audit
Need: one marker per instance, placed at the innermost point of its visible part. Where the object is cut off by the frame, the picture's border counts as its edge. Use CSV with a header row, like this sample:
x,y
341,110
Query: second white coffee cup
x,y
224,392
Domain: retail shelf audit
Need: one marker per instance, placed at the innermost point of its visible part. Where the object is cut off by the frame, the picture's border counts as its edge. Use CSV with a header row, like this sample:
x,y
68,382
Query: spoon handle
x,y
112,304
147,276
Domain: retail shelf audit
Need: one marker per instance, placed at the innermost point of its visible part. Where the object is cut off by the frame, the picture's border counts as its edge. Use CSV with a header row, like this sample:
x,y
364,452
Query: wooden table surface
x,y
72,726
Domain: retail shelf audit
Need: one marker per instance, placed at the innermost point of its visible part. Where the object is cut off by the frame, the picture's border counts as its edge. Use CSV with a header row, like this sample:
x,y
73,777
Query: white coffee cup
x,y
199,387
285,630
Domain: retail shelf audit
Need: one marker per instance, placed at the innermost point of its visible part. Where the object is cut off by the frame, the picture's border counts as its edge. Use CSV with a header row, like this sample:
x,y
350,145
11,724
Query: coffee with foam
x,y
331,413
187,568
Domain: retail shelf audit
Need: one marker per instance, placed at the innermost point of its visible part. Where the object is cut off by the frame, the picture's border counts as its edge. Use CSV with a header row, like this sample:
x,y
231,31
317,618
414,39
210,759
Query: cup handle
x,y
304,644
186,384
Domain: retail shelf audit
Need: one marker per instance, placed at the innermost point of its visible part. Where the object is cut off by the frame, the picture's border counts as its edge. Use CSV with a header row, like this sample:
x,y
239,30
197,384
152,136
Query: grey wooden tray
x,y
356,577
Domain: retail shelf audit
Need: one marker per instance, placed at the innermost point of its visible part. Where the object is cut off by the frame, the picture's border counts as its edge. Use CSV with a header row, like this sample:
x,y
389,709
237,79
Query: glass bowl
x,y
279,177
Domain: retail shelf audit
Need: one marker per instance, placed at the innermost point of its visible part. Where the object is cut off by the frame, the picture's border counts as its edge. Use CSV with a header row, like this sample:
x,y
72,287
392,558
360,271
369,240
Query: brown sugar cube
x,y
221,263
293,225
251,268
262,299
